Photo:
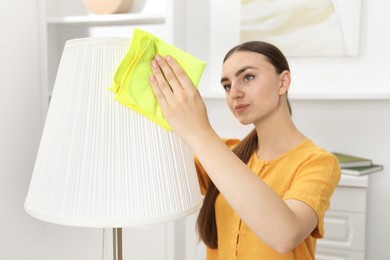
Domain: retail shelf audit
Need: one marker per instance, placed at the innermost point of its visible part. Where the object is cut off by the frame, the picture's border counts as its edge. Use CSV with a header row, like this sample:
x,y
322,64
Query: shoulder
x,y
311,164
310,152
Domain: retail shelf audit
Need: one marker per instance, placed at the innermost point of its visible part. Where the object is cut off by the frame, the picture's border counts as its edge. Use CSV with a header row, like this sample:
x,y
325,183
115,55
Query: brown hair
x,y
206,223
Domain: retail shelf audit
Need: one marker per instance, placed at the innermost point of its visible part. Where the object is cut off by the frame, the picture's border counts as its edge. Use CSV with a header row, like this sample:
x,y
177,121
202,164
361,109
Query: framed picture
x,y
303,29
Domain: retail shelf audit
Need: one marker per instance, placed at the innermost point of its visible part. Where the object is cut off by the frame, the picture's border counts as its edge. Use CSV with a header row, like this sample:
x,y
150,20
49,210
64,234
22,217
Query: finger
x,y
180,74
161,83
159,95
169,74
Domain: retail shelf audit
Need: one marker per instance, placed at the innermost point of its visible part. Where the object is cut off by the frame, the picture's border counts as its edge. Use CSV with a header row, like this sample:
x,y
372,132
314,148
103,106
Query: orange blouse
x,y
307,173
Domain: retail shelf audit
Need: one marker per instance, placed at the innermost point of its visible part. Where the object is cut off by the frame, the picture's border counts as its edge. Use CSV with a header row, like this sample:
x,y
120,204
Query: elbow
x,y
283,249
285,244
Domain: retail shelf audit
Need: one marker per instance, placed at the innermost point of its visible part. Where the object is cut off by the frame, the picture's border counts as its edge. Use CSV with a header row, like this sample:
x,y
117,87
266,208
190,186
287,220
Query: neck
x,y
277,137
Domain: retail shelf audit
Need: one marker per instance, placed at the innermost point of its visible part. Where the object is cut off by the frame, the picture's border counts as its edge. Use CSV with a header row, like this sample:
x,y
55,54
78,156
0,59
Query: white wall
x,y
21,237
357,126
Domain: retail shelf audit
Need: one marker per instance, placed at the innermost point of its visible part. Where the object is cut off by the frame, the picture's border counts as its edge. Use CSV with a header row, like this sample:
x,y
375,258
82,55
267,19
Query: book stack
x,y
354,165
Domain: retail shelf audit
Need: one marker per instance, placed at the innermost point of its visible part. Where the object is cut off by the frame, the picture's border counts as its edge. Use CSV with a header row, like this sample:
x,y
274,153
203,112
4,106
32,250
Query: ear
x,y
285,79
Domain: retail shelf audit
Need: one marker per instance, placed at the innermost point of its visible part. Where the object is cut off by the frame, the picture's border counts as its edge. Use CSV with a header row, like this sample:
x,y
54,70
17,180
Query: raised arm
x,y
281,224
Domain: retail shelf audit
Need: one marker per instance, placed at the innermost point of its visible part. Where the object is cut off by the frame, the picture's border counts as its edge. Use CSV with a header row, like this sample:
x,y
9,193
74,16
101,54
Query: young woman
x,y
265,196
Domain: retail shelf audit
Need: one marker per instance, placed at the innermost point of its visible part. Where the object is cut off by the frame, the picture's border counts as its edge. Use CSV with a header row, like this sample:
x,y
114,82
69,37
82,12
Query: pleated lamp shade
x,y
100,164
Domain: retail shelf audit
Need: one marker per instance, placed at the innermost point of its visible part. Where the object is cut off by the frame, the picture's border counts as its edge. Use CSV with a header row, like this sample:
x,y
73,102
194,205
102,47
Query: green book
x,y
357,171
348,161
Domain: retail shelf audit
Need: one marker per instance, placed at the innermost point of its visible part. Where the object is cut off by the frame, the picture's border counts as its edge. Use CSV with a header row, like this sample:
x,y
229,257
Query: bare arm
x,y
283,224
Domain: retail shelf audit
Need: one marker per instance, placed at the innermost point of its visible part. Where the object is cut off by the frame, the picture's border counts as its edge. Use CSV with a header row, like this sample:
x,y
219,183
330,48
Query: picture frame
x,y
226,26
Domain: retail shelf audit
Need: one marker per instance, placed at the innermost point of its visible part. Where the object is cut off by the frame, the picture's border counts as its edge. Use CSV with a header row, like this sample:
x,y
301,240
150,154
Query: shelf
x,y
61,20
318,96
354,181
113,19
340,96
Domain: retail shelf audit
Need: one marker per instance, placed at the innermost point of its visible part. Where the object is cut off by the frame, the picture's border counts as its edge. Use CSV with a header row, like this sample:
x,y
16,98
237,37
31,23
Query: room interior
x,y
342,103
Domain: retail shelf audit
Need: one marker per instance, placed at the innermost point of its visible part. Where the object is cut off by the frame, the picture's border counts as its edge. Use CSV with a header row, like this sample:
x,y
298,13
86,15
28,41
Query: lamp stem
x,y
117,243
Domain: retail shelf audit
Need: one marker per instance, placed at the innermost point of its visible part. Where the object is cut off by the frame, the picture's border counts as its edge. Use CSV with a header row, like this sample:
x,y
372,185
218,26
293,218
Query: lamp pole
x,y
117,243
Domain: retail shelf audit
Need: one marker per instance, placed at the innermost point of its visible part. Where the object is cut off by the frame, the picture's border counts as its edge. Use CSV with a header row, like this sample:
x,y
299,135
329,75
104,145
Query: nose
x,y
236,91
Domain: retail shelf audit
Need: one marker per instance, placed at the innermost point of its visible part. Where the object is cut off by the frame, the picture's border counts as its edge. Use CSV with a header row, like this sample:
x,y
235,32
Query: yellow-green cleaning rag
x,y
131,80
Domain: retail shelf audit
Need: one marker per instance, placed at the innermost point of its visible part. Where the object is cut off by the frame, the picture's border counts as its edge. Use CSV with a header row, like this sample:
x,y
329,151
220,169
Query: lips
x,y
240,108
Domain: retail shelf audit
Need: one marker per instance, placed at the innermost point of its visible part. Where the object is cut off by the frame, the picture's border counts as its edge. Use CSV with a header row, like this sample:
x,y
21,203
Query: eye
x,y
227,87
249,77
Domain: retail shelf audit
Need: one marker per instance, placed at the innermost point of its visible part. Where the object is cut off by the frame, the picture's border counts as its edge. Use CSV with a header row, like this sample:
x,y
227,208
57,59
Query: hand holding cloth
x,y
131,80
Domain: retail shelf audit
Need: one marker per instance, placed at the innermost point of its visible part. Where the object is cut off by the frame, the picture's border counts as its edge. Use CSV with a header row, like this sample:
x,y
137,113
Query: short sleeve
x,y
314,184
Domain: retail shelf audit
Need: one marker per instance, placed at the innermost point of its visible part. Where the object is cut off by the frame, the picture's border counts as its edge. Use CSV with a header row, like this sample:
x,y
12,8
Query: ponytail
x,y
206,223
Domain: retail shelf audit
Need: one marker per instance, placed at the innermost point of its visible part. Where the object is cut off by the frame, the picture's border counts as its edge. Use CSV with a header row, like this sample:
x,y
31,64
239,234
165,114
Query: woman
x,y
266,198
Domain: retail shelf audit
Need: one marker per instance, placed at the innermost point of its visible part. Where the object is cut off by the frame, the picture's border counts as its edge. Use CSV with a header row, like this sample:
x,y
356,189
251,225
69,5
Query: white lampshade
x,y
100,164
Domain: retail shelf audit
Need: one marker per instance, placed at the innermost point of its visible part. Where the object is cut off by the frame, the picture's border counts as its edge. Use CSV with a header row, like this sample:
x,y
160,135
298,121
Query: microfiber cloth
x,y
131,80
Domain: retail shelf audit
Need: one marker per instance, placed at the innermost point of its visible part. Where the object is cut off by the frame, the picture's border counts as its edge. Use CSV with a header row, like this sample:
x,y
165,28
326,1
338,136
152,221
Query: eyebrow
x,y
240,71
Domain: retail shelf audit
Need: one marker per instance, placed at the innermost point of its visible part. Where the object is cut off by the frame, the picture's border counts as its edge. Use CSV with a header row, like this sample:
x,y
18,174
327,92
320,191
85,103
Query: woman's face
x,y
253,87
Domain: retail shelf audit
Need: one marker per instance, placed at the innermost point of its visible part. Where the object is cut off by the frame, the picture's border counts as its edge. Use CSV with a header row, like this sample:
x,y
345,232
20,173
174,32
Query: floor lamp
x,y
100,164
